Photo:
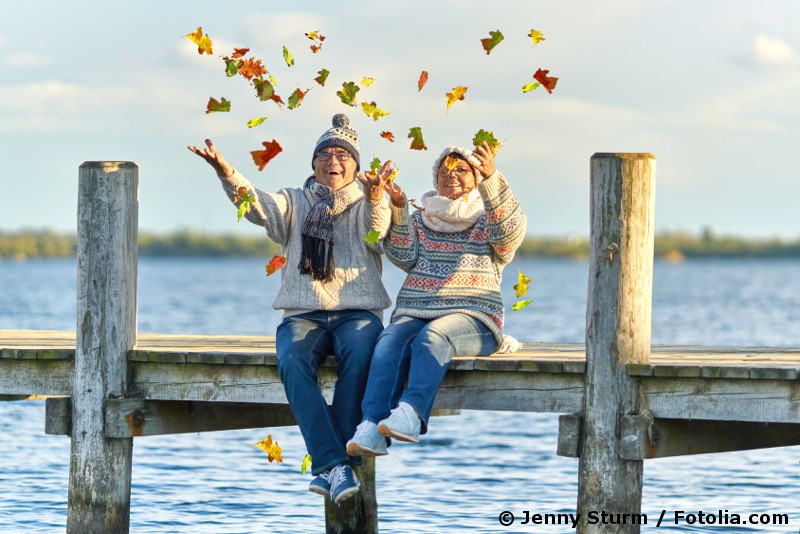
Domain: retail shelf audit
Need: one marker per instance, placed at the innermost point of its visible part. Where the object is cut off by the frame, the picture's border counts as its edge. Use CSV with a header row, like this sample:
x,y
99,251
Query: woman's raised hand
x,y
374,185
485,157
396,194
214,158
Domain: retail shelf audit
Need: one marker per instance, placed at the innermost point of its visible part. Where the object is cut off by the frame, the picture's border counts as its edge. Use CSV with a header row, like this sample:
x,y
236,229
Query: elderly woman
x,y
331,292
454,249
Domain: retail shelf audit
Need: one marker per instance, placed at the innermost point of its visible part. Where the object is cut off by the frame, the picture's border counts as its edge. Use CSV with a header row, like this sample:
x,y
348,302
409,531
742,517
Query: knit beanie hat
x,y
340,136
463,152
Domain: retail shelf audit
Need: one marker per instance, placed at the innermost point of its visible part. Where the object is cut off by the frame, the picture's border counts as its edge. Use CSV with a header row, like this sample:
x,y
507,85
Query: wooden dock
x,y
622,400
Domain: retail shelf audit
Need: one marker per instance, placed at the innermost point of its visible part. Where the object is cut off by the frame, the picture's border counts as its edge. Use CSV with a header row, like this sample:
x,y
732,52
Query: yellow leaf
x,y
306,464
457,94
451,163
366,82
522,284
393,174
288,57
536,36
274,452
371,110
202,41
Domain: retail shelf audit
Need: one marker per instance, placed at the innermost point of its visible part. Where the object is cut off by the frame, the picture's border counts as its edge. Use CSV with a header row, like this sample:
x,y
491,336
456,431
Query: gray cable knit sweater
x,y
356,284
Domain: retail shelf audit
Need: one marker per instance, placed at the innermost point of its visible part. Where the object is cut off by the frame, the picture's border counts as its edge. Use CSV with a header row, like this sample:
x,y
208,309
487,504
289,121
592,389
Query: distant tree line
x,y
668,245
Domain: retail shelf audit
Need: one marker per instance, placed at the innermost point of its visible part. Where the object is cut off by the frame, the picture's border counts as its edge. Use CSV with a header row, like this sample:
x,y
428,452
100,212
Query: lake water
x,y
468,468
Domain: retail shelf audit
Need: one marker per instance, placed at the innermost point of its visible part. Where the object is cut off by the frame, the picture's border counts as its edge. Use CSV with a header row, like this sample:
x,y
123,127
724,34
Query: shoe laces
x,y
337,477
365,428
408,412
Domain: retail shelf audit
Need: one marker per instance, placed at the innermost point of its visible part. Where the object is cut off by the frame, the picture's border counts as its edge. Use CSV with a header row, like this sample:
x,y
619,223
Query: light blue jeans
x,y
302,343
419,350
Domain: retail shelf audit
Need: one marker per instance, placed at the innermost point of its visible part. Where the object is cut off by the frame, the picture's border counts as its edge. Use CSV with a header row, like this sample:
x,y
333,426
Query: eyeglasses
x,y
457,171
342,157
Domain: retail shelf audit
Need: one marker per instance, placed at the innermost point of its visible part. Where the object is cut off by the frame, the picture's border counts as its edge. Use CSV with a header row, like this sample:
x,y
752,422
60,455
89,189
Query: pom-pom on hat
x,y
340,136
461,151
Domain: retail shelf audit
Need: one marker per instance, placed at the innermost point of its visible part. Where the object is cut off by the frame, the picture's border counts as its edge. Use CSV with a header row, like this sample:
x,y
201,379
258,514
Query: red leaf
x,y
262,157
389,136
548,82
275,263
423,79
239,52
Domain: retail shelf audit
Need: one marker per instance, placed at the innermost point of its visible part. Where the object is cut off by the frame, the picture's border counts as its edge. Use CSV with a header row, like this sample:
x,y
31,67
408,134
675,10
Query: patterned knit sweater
x,y
356,284
458,271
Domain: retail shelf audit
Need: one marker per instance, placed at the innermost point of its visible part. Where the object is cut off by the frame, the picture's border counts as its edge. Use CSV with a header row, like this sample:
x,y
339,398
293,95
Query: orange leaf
x,y
202,41
457,94
490,42
297,97
274,452
388,136
316,48
275,263
262,157
214,105
423,79
241,191
323,75
251,67
417,143
548,82
239,52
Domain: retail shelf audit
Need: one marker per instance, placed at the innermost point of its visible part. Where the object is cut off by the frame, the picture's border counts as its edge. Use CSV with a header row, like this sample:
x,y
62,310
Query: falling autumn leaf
x,y
451,163
274,264
457,94
417,143
273,451
393,174
418,208
315,36
323,75
522,284
306,464
366,82
520,304
239,52
548,82
528,87
389,136
296,98
493,40
536,36
488,136
371,110
288,57
375,164
372,237
203,42
243,196
251,67
252,123
214,105
348,93
423,79
232,66
262,157
265,90
316,48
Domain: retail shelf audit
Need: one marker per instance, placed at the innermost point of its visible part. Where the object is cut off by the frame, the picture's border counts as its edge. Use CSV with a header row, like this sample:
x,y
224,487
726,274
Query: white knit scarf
x,y
446,215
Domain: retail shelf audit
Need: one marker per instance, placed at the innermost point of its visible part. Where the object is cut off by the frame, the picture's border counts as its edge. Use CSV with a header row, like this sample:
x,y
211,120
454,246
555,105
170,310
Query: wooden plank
x,y
723,399
36,377
645,438
359,514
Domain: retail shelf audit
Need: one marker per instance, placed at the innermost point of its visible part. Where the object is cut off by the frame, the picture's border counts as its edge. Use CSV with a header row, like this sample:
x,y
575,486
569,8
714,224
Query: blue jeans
x,y
419,350
303,342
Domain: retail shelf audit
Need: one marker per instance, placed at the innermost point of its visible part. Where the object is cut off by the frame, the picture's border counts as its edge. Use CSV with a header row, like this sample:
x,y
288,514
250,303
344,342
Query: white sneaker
x,y
403,424
366,441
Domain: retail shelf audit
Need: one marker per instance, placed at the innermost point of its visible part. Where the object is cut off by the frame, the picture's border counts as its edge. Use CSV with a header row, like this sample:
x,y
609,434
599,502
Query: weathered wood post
x,y
618,328
358,515
100,468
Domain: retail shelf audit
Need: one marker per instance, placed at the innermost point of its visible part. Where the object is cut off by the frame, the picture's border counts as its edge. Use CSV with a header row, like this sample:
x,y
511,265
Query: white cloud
x,y
771,51
28,60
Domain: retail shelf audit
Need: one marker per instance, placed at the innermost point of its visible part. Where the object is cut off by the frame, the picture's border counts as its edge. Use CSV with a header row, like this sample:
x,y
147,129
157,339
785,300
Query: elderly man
x,y
331,292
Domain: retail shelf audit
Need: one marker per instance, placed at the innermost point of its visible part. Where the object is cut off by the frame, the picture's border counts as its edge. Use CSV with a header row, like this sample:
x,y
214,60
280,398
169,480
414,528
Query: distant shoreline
x,y
670,246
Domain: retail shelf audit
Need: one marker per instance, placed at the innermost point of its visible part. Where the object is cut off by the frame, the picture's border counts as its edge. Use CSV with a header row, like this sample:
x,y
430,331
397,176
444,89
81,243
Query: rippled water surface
x,y
467,469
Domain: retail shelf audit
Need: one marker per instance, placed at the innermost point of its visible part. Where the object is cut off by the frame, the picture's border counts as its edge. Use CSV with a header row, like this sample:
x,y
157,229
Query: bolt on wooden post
x,y
100,468
618,329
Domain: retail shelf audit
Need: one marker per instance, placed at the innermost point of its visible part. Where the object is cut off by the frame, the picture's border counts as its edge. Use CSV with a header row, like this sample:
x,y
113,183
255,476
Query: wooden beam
x,y
618,326
100,468
36,377
359,514
645,438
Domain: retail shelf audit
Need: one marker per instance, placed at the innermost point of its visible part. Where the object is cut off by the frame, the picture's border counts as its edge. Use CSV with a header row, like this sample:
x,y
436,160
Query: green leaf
x,y
232,66
348,93
323,75
214,106
264,89
520,304
372,237
528,87
488,136
252,123
375,164
306,464
493,40
246,200
288,57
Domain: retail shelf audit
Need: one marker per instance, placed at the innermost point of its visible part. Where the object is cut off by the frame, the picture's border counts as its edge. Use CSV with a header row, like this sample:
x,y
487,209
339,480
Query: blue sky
x,y
709,88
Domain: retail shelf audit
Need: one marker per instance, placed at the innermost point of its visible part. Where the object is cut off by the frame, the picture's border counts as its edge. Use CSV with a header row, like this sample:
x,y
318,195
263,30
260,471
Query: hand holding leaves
x,y
214,158
374,185
483,153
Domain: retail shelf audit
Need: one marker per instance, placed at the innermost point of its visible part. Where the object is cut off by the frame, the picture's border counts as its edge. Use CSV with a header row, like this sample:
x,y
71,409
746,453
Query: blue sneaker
x,y
367,441
403,424
321,484
344,483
